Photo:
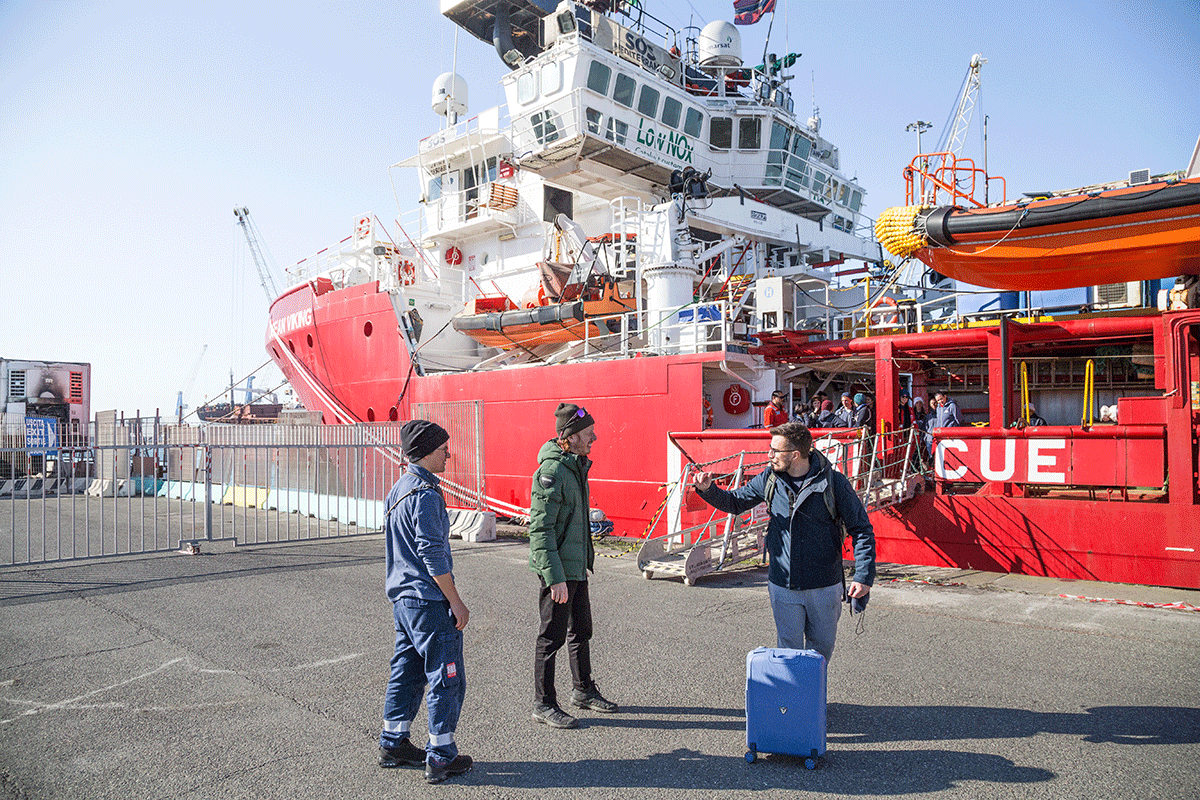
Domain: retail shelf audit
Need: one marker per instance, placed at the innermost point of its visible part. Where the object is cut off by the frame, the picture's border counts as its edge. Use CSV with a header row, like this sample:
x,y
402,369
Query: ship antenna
x,y
767,43
453,71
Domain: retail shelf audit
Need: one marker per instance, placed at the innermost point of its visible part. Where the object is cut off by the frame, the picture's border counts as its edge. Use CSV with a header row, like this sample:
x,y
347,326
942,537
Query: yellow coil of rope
x,y
896,231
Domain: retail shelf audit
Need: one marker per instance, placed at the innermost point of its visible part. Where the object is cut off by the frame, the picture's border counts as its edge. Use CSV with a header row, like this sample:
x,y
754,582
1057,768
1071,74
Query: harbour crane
x,y
266,273
179,406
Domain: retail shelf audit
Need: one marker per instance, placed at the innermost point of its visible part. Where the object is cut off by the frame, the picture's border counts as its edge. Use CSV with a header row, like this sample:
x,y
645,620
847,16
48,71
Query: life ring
x,y
736,400
406,273
895,317
454,256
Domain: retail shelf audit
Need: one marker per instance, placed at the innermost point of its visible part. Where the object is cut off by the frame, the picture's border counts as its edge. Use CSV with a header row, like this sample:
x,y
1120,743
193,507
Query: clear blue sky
x,y
130,130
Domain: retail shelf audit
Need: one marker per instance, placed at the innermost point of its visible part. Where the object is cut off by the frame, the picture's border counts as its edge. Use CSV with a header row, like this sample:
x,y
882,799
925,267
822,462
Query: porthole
x,y
367,328
308,337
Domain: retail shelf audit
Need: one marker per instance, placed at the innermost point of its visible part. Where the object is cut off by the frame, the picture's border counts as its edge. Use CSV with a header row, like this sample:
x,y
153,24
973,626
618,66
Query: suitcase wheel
x,y
810,763
751,756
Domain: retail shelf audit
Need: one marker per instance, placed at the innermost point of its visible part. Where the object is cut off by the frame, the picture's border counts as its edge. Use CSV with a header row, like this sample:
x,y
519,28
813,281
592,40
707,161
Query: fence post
x,y
208,527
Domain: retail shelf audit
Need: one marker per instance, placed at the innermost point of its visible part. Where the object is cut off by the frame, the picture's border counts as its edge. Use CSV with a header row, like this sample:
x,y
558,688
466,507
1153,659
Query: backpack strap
x,y
828,495
418,488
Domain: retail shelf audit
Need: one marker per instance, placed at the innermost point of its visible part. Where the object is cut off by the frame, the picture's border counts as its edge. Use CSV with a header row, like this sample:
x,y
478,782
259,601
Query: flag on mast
x,y
748,12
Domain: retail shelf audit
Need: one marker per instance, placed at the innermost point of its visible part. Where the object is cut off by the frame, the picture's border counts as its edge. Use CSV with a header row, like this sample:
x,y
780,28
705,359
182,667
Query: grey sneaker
x,y
593,700
553,716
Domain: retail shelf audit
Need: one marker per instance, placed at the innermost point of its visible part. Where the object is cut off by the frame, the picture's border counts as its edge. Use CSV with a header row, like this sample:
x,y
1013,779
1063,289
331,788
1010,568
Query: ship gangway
x,y
885,470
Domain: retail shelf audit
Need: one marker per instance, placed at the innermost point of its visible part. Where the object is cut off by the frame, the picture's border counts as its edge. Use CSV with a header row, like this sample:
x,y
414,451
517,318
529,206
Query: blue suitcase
x,y
785,703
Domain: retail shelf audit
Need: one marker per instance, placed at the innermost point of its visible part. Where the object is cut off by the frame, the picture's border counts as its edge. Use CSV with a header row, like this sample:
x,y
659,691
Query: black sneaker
x,y
553,716
405,754
593,700
437,770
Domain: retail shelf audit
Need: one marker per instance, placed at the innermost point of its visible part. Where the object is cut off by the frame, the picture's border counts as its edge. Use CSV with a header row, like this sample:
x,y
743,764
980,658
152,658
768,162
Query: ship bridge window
x,y
672,110
692,122
797,170
623,89
797,174
749,133
833,190
720,132
544,126
598,77
780,137
527,88
616,131
551,78
818,183
855,201
434,192
593,119
648,102
801,147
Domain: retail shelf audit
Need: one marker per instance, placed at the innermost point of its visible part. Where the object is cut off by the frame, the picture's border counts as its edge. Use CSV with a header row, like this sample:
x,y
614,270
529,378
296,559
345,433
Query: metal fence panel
x,y
140,487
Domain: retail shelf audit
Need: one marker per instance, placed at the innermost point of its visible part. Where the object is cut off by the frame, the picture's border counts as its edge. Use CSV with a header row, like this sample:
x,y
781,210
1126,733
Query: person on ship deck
x,y
864,415
775,412
1034,419
844,416
946,413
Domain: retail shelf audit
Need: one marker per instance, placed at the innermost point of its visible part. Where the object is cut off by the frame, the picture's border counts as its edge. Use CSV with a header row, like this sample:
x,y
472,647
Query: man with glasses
x,y
560,554
428,613
804,539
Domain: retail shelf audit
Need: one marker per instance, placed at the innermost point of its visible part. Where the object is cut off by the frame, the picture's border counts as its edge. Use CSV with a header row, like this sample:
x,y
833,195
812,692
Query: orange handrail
x,y
946,173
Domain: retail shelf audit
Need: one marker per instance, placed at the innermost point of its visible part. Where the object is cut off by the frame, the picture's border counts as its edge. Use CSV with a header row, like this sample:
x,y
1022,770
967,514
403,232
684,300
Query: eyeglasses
x,y
772,451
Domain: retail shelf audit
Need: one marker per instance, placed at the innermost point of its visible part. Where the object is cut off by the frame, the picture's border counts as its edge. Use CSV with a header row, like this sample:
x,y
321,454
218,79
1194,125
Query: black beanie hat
x,y
570,418
421,437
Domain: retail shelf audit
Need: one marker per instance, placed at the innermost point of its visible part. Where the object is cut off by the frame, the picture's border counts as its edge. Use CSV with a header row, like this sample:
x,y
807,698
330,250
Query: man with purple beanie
x,y
428,612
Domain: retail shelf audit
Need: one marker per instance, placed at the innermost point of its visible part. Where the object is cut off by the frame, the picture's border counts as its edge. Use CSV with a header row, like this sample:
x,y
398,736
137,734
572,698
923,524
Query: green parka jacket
x,y
560,540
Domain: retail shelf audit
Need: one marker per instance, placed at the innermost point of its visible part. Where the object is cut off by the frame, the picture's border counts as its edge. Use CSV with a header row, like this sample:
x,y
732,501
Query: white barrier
x,y
472,526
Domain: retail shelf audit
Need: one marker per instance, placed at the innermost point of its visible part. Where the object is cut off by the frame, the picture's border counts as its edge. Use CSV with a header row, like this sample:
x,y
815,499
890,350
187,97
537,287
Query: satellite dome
x,y
720,45
449,95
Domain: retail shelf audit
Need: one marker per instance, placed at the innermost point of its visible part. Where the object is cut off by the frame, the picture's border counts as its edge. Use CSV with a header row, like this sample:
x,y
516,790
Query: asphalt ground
x,y
258,672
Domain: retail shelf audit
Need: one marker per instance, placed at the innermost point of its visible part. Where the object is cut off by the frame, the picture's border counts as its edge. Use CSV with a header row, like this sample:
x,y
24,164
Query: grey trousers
x,y
806,619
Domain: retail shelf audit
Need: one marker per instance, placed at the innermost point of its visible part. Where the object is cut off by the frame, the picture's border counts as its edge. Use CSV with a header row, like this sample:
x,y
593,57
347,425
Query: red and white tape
x,y
1181,606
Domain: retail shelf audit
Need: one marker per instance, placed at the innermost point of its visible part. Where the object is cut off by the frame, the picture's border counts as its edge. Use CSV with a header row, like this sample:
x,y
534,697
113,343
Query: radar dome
x,y
449,95
720,45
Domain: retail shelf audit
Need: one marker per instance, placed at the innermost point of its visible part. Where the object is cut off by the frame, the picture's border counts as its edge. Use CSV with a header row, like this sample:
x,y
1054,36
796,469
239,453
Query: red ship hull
x,y
333,349
321,344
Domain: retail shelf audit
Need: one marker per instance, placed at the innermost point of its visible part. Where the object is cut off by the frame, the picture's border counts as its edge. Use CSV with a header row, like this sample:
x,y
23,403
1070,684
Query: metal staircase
x,y
884,471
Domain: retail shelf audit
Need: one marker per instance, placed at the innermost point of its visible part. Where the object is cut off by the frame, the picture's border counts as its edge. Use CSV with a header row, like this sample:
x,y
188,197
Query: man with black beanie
x,y
560,554
429,615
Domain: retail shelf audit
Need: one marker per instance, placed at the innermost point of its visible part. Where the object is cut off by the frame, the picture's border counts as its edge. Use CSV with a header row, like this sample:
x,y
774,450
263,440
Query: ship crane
x,y
955,134
266,274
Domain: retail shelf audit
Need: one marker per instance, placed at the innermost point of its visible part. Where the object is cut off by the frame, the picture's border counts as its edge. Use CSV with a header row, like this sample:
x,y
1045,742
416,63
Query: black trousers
x,y
567,623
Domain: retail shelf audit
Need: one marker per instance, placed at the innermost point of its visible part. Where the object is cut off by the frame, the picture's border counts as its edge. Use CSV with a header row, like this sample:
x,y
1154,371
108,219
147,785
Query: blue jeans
x,y
428,651
806,619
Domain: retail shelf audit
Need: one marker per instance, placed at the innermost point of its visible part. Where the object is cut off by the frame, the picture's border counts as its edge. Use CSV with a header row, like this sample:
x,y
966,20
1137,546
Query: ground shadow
x,y
1130,725
41,583
665,717
863,773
